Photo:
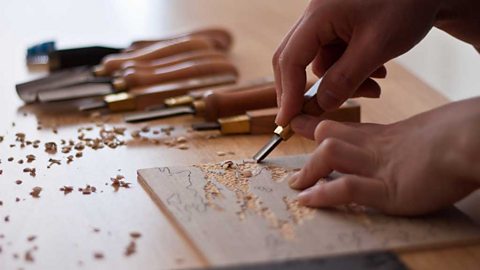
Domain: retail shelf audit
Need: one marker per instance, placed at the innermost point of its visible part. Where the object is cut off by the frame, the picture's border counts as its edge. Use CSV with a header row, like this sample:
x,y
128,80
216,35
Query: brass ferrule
x,y
284,132
239,124
179,101
199,106
120,102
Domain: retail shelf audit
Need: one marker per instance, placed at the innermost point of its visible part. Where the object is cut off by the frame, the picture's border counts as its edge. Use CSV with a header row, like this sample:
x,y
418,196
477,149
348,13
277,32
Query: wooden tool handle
x,y
154,95
191,69
263,121
175,59
221,38
222,104
251,84
114,62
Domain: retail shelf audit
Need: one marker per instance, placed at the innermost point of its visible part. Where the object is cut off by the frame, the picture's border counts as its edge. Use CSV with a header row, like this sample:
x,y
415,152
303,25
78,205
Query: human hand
x,y
412,167
348,41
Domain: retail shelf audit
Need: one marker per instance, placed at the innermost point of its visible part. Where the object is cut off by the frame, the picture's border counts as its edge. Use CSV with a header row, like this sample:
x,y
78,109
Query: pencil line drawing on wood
x,y
236,212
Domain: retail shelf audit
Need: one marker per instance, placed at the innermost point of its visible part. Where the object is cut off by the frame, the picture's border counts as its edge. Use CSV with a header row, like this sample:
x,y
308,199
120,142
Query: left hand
x,y
411,167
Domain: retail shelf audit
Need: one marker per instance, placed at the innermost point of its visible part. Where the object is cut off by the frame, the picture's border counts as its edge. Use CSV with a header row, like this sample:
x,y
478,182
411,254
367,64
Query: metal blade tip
x,y
267,148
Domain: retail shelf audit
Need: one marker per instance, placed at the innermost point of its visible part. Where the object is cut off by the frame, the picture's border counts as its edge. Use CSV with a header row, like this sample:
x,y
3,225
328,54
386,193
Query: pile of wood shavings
x,y
236,177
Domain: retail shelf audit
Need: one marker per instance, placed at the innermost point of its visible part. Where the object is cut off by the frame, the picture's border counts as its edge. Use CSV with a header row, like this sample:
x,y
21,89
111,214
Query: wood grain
x,y
64,224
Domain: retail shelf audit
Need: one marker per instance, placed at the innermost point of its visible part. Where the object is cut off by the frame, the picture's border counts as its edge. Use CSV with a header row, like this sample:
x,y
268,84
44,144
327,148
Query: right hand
x,y
348,41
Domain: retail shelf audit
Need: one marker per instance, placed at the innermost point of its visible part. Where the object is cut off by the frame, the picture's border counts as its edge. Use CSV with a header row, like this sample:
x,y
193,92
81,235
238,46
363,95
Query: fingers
x,y
333,154
298,53
275,61
342,80
346,189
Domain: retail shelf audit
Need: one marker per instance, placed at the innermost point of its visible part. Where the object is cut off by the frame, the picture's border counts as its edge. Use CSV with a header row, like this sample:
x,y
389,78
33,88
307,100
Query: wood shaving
x,y
69,159
119,182
131,248
66,149
53,161
30,158
181,140
98,255
18,182
29,256
221,154
135,235
51,147
31,238
79,155
36,192
31,171
87,190
183,147
66,189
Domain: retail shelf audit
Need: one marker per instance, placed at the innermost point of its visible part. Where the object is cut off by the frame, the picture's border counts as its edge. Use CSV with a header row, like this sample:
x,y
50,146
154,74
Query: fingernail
x,y
293,179
327,100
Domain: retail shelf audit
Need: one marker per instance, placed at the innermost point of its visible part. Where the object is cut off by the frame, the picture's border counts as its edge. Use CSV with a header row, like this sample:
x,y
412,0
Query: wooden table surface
x,y
71,228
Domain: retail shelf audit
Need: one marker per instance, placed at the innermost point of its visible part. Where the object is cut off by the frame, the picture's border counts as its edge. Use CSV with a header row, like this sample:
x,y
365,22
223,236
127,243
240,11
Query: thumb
x,y
343,78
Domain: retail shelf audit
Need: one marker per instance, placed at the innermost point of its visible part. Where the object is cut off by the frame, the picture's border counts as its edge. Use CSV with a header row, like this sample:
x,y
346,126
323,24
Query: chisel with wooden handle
x,y
263,121
175,59
219,104
221,38
84,82
191,96
136,79
114,62
145,97
284,133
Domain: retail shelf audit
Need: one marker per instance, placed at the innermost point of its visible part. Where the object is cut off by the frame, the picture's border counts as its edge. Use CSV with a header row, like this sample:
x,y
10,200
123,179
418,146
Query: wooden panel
x,y
235,212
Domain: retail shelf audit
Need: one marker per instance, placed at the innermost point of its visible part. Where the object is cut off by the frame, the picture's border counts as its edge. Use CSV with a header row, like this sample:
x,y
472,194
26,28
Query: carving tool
x,y
284,133
71,80
134,79
222,39
174,59
263,121
157,111
219,104
142,98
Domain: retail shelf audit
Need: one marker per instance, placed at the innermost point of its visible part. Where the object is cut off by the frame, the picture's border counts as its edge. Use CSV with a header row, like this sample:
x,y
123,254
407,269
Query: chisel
x,y
134,79
73,80
220,104
263,121
174,59
221,38
197,94
284,133
142,98
156,111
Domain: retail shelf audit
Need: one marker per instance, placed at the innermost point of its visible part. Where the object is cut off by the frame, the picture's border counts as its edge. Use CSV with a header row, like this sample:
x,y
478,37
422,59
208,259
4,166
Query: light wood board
x,y
231,217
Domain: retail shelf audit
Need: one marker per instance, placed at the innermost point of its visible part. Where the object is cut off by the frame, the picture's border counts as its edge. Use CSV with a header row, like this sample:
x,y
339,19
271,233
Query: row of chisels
x,y
189,73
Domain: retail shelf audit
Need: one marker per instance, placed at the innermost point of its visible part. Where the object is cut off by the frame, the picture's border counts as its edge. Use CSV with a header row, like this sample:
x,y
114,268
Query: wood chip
x,y
66,189
18,182
31,238
135,235
221,154
10,159
30,158
87,190
131,248
79,155
119,182
98,255
51,147
181,140
183,147
36,192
